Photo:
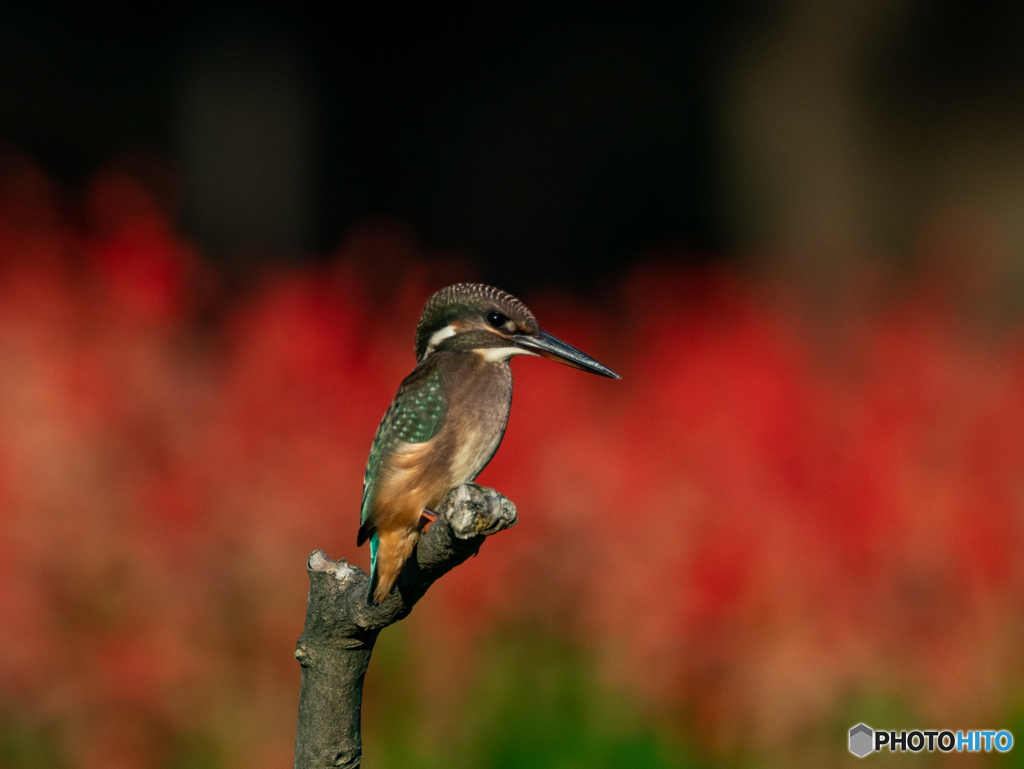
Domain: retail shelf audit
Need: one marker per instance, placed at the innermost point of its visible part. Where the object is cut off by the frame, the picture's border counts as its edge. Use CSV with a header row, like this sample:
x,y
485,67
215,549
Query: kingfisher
x,y
448,417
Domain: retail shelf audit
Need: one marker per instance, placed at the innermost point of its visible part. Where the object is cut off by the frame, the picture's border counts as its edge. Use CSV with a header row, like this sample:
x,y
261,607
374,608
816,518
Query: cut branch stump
x,y
341,627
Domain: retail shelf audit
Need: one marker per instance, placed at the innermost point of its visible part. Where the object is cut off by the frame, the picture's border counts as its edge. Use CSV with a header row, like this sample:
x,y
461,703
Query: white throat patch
x,y
495,354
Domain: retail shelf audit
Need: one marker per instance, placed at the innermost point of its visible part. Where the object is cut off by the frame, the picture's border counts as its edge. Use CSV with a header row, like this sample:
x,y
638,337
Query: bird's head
x,y
495,325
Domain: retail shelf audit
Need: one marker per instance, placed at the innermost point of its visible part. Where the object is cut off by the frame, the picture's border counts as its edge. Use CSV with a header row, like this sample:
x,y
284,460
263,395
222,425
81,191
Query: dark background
x,y
800,509
554,144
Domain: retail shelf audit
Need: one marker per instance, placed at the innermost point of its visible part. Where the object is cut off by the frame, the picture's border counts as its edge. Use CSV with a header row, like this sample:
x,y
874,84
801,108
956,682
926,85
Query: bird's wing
x,y
415,416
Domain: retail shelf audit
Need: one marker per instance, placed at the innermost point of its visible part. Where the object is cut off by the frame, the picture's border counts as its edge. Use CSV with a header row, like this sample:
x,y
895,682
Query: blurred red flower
x,y
749,529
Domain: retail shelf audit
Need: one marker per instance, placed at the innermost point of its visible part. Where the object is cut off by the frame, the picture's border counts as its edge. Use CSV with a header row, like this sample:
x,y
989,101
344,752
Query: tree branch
x,y
341,627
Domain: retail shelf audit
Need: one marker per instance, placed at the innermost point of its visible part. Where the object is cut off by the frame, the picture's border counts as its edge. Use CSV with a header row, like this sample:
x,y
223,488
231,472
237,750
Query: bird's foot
x,y
427,517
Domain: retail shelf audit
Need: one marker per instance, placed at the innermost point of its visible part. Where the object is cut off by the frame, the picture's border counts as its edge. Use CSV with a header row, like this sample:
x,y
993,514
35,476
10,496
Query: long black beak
x,y
553,348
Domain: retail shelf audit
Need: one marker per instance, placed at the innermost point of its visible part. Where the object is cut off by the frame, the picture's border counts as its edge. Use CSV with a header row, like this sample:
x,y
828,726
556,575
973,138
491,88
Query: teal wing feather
x,y
415,416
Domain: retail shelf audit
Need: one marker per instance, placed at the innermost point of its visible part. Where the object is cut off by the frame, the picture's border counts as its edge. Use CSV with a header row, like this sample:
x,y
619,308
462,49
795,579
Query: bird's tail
x,y
374,545
389,550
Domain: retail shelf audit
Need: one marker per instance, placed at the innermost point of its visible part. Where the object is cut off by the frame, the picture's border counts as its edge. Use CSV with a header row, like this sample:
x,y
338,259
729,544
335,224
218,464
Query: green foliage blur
x,y
533,702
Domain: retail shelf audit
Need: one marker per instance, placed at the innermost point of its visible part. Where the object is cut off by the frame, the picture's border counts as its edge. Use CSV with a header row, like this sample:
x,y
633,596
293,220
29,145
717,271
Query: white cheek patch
x,y
442,334
495,354
437,337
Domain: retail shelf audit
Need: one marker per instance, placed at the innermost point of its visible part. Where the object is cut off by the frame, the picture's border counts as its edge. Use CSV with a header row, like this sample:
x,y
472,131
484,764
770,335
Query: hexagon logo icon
x,y
861,739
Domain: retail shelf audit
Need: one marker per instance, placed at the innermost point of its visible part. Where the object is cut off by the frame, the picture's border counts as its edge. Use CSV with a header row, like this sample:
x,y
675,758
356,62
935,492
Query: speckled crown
x,y
452,301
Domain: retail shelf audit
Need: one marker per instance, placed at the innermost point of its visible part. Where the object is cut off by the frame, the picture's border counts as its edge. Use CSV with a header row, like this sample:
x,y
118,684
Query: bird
x,y
448,417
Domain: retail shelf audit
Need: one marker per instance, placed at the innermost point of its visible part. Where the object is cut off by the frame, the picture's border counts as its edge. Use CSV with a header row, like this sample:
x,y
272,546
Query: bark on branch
x,y
341,627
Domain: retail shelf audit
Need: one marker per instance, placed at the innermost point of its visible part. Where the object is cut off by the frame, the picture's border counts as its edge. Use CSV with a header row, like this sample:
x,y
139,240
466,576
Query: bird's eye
x,y
496,319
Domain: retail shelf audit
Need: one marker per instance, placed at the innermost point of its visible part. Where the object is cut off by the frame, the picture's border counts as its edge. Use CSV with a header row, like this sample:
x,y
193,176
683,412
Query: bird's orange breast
x,y
412,481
